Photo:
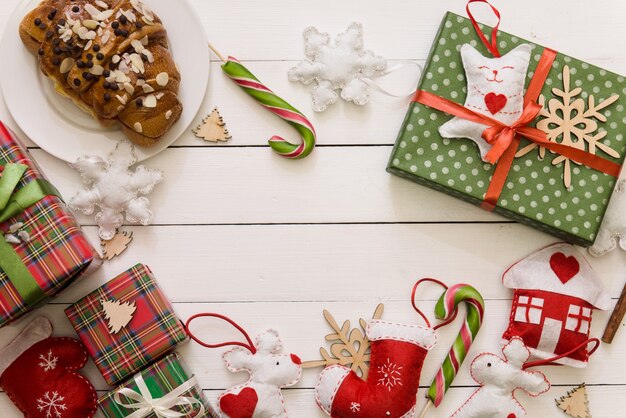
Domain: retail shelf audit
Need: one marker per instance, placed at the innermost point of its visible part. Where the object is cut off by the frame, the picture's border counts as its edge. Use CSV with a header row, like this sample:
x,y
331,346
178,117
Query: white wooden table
x,y
271,243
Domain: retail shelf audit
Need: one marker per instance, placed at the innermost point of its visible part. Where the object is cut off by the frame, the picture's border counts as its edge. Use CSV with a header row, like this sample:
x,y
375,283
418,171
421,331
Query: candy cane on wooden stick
x,y
268,99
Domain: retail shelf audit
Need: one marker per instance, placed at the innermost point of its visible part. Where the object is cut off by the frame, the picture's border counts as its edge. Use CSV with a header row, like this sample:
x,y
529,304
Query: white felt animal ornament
x,y
269,369
495,88
499,379
613,229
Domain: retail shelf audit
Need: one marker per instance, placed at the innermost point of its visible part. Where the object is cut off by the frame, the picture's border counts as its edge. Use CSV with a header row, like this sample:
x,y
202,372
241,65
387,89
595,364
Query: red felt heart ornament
x,y
495,102
564,267
241,405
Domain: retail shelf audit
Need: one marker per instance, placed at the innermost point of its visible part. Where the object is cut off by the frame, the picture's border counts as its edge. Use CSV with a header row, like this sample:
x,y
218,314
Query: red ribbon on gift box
x,y
505,139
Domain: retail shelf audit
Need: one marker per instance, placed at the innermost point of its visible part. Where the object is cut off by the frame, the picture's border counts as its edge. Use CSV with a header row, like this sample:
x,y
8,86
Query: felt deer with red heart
x,y
39,374
499,378
269,370
555,291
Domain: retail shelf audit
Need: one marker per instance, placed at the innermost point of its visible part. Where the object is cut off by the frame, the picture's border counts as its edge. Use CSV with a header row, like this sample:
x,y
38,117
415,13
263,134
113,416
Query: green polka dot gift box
x,y
530,133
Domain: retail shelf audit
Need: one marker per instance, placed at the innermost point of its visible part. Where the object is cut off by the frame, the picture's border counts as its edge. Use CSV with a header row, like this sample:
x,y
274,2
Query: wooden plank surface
x,y
272,242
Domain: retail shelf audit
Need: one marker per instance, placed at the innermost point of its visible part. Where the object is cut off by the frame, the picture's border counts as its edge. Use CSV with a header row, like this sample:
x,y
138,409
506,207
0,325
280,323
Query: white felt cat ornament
x,y
495,88
269,369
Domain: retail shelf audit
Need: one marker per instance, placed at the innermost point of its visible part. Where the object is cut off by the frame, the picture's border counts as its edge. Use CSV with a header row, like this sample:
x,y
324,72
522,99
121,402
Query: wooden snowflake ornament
x,y
350,347
569,120
213,128
575,403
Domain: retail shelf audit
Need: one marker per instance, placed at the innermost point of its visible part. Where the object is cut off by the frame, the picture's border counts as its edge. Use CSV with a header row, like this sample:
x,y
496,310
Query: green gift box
x,y
166,386
542,189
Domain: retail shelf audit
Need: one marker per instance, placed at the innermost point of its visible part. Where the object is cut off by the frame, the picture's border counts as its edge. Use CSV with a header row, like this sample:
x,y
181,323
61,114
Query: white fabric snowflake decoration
x,y
343,65
613,229
115,189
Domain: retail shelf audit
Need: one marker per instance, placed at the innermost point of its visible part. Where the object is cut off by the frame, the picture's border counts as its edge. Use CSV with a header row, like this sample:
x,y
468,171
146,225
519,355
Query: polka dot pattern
x,y
534,191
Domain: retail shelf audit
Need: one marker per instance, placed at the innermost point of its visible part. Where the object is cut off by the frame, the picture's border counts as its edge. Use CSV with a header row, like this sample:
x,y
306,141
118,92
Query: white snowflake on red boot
x,y
48,362
390,375
355,407
51,404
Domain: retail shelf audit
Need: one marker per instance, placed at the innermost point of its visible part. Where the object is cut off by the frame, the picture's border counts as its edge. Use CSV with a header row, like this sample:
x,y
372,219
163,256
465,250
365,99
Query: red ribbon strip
x,y
505,139
493,45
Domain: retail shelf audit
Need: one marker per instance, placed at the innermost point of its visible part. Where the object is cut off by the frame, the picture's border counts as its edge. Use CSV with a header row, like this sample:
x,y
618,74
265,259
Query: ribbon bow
x,y
501,136
145,404
11,175
12,203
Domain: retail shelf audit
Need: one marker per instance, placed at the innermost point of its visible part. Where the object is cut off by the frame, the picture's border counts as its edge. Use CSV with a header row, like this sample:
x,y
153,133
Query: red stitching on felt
x,y
380,321
505,360
243,386
335,390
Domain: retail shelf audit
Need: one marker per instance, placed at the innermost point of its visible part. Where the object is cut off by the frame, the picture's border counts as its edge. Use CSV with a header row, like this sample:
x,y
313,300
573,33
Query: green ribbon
x,y
12,203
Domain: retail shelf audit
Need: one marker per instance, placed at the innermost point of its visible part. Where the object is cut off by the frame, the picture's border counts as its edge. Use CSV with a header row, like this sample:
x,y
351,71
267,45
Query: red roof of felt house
x,y
537,272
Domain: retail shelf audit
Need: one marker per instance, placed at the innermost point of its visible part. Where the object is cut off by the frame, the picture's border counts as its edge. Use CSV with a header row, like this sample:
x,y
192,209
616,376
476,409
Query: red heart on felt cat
x,y
241,405
495,102
564,267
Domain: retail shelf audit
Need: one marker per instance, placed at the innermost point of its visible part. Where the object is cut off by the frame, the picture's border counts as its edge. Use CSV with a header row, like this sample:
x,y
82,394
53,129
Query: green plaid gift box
x,y
42,248
126,324
542,189
167,381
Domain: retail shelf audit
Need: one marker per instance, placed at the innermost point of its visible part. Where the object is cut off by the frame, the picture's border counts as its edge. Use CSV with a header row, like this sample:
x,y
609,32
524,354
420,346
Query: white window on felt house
x,y
529,310
578,319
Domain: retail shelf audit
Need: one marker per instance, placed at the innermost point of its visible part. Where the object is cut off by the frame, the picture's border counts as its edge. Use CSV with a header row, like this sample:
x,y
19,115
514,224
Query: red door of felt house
x,y
550,323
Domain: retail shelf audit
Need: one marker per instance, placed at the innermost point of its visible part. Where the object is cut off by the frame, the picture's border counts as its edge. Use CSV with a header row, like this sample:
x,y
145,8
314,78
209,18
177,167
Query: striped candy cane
x,y
268,99
446,309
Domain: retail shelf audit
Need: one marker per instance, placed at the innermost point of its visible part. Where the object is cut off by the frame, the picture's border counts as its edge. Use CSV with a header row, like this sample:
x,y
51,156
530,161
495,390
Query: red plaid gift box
x,y
42,248
126,324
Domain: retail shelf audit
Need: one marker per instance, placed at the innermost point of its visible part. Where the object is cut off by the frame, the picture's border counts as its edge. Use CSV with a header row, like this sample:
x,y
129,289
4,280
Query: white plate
x,y
62,129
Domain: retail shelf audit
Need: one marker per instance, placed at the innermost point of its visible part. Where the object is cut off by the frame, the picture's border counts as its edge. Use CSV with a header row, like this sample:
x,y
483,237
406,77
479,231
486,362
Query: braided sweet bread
x,y
111,58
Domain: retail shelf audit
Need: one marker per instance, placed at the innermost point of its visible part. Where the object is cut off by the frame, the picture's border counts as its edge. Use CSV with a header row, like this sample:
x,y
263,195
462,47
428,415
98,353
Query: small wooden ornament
x,y
213,128
616,318
350,347
575,403
117,245
118,314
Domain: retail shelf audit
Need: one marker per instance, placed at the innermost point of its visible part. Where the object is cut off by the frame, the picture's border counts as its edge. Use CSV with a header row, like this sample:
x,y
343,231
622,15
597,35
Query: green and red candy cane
x,y
269,100
446,309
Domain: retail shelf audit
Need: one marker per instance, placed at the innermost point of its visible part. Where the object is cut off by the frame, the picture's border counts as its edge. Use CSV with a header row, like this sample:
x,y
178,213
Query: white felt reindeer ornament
x,y
499,379
269,370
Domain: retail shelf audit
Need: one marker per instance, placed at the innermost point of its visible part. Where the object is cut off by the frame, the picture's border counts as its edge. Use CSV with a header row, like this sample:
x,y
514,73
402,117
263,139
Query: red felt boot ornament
x,y
39,374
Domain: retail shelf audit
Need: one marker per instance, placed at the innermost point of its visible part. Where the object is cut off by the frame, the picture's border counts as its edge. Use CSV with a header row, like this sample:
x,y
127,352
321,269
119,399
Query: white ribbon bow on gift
x,y
145,404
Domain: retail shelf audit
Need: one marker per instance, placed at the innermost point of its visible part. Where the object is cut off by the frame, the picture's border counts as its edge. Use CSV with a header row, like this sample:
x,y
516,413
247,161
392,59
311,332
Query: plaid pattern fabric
x,y
161,378
57,253
153,331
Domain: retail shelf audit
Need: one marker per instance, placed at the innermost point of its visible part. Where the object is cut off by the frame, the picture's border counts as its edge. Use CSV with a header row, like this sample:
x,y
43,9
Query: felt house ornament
x,y
555,292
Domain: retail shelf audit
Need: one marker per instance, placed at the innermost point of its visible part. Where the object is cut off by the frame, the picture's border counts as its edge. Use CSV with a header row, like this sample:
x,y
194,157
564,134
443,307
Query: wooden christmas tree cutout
x,y
575,403
213,128
118,314
117,245
350,347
